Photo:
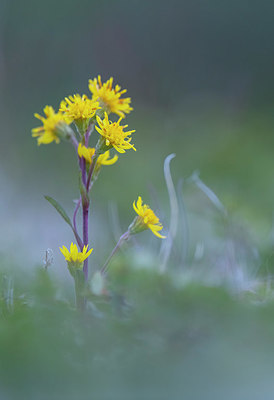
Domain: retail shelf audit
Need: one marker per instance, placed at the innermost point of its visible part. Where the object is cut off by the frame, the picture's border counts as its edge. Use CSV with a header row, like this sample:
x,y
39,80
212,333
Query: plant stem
x,y
122,239
85,238
85,207
91,170
80,299
75,231
85,204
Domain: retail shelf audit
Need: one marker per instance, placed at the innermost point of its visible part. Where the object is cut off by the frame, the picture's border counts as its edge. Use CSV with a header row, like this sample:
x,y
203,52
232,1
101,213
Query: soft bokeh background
x,y
200,78
200,75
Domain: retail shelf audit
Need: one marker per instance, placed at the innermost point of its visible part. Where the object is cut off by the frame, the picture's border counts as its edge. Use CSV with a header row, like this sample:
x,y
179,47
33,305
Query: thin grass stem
x,y
122,239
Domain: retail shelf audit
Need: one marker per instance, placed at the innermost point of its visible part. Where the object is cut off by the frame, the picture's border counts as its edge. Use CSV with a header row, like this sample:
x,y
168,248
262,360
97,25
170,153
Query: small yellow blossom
x,y
49,132
74,256
103,159
146,219
110,97
77,107
85,152
114,134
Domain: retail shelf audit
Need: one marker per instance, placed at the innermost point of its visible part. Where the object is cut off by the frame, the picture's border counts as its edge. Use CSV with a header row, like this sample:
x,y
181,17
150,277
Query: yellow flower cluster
x,y
146,219
114,134
86,114
82,111
110,97
48,132
74,256
78,107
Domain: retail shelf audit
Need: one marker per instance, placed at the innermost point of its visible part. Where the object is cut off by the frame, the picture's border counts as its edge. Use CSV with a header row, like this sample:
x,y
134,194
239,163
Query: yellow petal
x,y
65,252
139,202
135,208
89,253
154,229
110,161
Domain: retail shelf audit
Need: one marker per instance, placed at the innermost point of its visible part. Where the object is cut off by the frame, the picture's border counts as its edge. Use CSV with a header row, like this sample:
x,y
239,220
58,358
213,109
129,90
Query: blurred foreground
x,y
146,340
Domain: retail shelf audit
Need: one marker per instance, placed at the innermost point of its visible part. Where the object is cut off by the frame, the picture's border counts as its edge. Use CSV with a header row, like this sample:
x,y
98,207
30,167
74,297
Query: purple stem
x,y
85,207
91,170
82,163
88,133
85,238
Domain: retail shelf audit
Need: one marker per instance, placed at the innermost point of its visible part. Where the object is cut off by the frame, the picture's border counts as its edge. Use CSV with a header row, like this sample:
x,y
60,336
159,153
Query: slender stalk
x,y
91,170
85,208
88,133
79,283
85,204
75,143
82,163
80,300
122,239
85,238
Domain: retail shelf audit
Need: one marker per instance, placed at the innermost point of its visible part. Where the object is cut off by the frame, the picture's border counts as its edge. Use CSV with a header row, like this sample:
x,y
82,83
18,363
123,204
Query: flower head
x,y
79,107
52,126
103,159
146,219
110,97
114,135
75,257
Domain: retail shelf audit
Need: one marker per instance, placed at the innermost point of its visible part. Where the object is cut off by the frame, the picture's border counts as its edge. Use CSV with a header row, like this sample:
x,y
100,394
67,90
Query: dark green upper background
x,y
162,51
200,74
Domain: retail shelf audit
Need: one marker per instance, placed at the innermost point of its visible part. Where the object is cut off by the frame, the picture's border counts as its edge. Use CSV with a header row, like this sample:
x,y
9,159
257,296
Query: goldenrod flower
x,y
51,129
146,219
85,152
110,97
74,256
103,159
114,135
78,107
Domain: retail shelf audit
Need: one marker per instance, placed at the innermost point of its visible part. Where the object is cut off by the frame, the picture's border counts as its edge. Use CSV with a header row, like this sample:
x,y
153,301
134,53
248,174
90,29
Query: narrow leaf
x,y
59,209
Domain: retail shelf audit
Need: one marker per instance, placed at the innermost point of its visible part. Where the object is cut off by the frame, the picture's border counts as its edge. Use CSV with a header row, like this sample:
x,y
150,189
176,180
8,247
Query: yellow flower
x,y
114,135
85,152
74,256
110,97
103,159
146,219
50,131
78,107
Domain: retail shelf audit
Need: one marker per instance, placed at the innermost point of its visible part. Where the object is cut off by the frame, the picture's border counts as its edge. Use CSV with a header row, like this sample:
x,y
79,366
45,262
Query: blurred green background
x,y
200,75
200,78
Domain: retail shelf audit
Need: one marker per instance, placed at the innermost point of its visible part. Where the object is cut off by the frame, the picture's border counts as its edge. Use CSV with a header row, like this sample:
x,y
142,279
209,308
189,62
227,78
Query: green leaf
x,y
59,209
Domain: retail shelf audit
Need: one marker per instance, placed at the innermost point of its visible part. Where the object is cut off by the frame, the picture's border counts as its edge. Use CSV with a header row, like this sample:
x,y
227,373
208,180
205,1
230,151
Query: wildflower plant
x,y
79,119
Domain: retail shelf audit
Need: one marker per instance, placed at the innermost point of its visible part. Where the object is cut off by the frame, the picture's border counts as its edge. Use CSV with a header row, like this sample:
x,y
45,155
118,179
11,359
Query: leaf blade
x,y
59,209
